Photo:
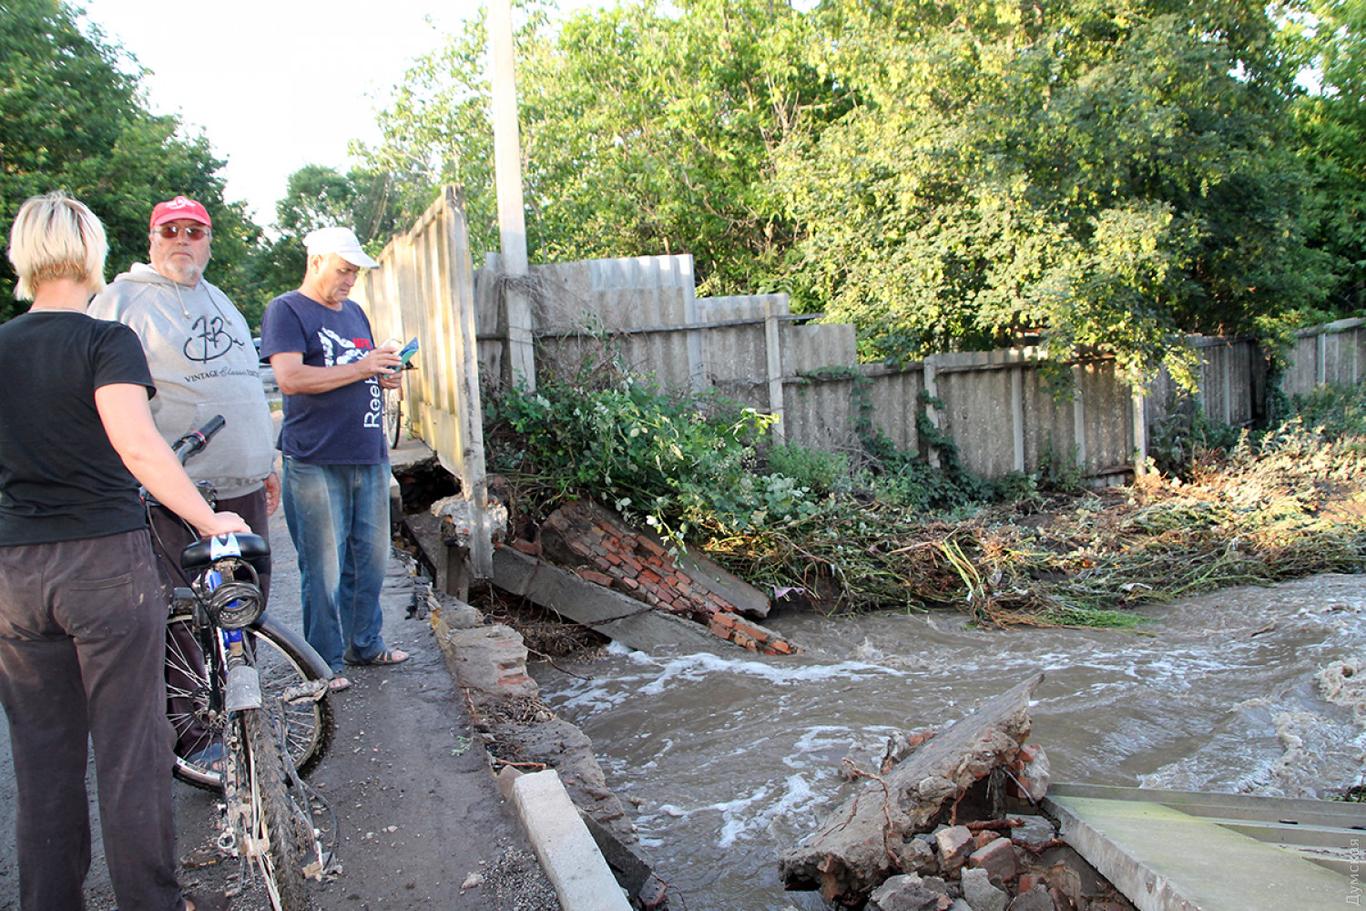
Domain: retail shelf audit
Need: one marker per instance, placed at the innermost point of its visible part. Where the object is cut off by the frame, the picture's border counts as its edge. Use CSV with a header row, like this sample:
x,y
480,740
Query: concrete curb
x,y
566,849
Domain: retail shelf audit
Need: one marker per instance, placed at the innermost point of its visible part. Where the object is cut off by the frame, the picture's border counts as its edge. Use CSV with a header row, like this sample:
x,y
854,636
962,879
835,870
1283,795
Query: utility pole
x,y
508,179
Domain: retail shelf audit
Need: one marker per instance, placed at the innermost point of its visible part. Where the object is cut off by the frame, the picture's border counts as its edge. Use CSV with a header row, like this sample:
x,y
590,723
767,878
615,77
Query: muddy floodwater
x,y
730,759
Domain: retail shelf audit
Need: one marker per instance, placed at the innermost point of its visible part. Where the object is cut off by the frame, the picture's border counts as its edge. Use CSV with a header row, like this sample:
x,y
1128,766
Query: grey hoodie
x,y
203,363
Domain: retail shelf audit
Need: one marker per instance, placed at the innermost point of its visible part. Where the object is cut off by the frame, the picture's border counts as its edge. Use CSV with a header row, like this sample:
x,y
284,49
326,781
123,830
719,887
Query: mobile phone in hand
x,y
405,355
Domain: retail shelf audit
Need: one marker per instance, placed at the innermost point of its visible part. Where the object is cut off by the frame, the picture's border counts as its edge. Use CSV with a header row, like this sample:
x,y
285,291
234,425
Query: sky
x,y
276,85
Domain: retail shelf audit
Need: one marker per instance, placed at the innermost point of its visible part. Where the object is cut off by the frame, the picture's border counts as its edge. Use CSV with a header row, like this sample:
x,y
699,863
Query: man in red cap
x,y
203,363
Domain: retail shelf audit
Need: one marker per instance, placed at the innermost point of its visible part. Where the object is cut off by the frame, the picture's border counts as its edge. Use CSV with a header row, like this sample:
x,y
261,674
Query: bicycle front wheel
x,y
199,729
278,821
393,416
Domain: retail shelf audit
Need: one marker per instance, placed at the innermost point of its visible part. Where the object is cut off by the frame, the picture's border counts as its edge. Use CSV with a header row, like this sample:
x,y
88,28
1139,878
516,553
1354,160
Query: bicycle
x,y
257,690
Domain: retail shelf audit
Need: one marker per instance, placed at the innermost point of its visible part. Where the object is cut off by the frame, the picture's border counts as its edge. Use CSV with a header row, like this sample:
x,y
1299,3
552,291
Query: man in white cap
x,y
336,457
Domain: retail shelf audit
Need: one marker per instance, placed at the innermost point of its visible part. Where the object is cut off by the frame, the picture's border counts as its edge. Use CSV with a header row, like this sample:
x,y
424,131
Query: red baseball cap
x,y
180,207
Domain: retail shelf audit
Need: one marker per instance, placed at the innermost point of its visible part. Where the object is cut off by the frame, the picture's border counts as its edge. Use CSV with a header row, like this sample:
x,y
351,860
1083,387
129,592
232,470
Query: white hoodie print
x,y
338,351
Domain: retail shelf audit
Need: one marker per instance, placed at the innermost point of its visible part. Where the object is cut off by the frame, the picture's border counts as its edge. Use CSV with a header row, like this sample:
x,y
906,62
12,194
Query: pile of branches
x,y
1290,505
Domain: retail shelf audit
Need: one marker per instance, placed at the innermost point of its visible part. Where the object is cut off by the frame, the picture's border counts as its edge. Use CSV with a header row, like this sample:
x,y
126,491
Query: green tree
x,y
317,196
654,131
1110,176
436,130
1328,38
644,131
72,118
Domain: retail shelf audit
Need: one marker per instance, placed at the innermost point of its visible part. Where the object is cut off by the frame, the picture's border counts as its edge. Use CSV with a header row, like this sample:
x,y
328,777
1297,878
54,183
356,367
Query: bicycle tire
x,y
286,853
393,416
280,665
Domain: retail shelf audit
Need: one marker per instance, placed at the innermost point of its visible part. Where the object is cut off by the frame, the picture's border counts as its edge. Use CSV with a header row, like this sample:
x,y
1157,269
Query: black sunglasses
x,y
193,232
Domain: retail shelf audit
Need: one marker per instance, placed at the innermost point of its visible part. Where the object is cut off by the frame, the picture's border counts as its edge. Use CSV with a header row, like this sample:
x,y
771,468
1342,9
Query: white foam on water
x,y
692,668
608,689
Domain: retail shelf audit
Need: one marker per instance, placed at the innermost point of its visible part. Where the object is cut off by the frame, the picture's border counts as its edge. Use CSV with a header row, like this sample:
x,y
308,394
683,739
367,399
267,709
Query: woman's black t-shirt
x,y
60,479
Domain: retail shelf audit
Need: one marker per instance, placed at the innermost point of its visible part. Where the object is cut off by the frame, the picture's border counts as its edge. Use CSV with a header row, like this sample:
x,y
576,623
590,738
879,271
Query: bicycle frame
x,y
230,660
267,810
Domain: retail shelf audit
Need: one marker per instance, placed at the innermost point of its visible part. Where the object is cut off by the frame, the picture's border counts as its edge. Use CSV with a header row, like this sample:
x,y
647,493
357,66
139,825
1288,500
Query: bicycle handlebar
x,y
195,440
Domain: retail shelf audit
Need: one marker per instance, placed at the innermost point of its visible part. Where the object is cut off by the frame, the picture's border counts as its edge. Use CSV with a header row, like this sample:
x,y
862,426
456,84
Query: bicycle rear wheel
x,y
277,819
308,722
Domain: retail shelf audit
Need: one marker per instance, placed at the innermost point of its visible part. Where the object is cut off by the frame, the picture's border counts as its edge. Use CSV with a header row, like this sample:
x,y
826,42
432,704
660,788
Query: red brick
x,y
650,546
779,647
527,547
611,558
954,844
981,838
596,578
648,577
630,583
998,859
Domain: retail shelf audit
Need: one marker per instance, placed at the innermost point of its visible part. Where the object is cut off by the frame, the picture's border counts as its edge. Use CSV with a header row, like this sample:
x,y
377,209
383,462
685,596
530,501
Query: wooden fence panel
x,y
424,287
1331,354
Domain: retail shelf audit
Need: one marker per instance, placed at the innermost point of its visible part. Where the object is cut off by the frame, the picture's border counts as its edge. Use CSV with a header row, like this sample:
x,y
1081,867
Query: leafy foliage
x,y
318,196
1329,38
655,457
644,131
944,174
893,532
1099,175
72,118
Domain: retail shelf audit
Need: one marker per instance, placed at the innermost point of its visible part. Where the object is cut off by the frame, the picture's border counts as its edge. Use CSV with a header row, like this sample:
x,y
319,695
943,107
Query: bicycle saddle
x,y
252,548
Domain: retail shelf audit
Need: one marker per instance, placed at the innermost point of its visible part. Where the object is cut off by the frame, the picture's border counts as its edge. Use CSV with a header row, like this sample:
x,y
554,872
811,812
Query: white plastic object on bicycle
x,y
221,546
243,689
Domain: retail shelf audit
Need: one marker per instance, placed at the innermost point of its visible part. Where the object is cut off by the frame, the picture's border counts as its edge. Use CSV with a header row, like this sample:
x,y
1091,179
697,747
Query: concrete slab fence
x,y
642,314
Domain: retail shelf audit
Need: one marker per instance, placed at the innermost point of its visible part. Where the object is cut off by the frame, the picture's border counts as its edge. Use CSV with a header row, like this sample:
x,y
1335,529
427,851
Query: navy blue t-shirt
x,y
344,426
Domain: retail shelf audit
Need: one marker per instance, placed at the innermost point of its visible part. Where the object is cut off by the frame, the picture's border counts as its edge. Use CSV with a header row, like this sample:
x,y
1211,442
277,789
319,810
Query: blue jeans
x,y
338,517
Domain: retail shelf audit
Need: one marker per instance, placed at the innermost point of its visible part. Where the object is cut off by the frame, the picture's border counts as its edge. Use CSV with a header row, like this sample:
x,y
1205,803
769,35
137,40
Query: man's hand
x,y
381,361
272,493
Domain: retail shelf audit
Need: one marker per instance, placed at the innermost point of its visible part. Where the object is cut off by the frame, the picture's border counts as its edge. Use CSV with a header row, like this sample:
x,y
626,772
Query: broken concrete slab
x,y
569,751
603,610
566,850
1162,859
857,846
632,871
981,894
904,893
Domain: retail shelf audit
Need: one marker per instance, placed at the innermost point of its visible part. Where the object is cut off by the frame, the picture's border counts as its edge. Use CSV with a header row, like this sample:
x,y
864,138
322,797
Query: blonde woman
x,y
82,617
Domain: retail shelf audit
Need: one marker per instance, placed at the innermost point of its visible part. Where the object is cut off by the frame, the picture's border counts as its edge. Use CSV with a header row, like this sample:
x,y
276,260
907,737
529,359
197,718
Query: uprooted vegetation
x,y
881,529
